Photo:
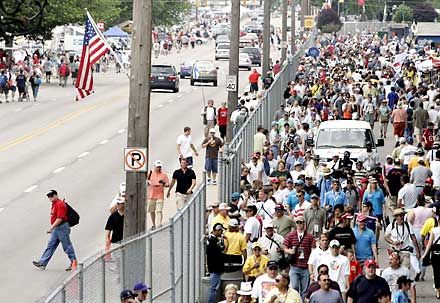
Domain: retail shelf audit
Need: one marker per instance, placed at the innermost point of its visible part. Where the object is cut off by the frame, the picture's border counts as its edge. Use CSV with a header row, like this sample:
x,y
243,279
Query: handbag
x,y
291,258
435,249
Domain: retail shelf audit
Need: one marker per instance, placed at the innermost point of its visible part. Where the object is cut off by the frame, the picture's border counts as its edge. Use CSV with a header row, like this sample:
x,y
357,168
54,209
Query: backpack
x,y
3,80
37,81
72,215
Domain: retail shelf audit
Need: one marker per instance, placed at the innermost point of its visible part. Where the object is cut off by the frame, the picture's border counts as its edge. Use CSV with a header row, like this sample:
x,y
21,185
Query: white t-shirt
x,y
210,113
315,258
262,285
185,145
391,275
400,233
272,248
252,226
254,170
266,210
435,168
338,269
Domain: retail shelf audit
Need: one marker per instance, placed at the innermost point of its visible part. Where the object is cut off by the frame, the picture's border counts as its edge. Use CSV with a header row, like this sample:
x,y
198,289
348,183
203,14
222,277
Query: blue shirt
x,y
292,200
400,297
393,97
377,199
333,198
364,240
323,185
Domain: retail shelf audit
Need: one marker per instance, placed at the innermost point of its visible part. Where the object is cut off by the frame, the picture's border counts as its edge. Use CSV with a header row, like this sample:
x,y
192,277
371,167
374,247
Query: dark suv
x,y
254,54
164,76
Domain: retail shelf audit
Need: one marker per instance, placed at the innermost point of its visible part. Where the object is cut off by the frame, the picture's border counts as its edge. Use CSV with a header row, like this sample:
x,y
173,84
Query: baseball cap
x,y
141,287
127,294
212,130
268,225
51,193
299,182
361,218
218,226
255,245
272,264
235,196
120,200
403,280
402,140
314,196
158,163
299,218
275,180
223,206
334,243
297,163
289,180
389,157
347,216
409,140
233,223
364,180
368,263
279,207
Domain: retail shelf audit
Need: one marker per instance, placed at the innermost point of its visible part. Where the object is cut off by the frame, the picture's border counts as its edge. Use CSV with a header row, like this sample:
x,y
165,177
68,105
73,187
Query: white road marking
x,y
122,130
179,95
56,171
2,209
160,106
83,154
36,103
103,142
28,190
170,100
18,109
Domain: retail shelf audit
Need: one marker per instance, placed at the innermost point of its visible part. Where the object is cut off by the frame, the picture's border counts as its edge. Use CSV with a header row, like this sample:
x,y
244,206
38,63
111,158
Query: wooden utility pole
x,y
266,37
283,30
138,115
292,29
233,64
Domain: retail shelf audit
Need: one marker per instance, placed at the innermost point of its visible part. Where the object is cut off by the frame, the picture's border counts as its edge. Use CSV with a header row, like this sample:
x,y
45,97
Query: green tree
x,y
165,12
424,12
328,21
403,13
71,11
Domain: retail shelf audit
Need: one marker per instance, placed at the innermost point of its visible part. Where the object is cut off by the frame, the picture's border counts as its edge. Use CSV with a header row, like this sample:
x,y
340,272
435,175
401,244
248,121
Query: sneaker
x,y
39,265
72,266
153,227
208,181
214,182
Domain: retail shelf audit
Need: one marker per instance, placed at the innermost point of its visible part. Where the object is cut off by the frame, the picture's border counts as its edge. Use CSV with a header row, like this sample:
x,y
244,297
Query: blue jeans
x,y
299,279
61,233
214,285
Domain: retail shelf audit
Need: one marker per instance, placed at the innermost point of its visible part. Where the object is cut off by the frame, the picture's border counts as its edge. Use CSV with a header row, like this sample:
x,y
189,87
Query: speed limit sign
x,y
231,83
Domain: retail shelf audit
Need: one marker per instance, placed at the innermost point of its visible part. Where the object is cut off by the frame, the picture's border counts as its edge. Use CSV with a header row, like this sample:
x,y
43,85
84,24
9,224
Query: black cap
x,y
218,226
272,263
51,193
403,280
127,294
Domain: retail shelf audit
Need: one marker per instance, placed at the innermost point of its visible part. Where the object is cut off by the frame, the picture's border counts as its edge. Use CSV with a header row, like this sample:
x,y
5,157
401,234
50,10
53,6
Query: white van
x,y
334,137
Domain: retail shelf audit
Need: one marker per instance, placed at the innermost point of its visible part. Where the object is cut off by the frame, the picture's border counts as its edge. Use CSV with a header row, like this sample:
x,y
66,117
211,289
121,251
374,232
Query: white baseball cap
x,y
212,130
158,163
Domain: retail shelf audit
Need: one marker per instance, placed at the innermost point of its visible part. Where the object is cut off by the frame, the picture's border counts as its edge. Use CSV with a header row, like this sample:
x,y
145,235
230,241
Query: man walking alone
x,y
59,233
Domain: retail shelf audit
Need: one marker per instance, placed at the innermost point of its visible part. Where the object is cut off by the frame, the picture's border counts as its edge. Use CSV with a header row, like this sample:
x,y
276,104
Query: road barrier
x,y
242,145
170,259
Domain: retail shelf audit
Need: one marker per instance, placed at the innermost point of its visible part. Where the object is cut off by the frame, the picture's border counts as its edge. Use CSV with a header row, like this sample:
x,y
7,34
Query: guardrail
x,y
242,145
171,259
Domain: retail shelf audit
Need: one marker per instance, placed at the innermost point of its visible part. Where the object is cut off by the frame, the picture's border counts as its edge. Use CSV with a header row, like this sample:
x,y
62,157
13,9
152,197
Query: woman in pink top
x,y
417,217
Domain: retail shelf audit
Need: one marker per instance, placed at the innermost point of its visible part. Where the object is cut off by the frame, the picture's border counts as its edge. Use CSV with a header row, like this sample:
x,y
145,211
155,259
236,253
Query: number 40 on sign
x,y
231,83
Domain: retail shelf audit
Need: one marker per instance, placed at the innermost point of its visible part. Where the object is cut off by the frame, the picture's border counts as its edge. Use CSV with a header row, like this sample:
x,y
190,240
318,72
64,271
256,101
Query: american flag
x,y
93,49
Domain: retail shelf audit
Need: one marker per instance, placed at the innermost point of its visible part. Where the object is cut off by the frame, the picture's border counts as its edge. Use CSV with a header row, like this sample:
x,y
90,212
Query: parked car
x,y
245,42
185,70
254,53
244,61
222,39
222,51
164,76
204,71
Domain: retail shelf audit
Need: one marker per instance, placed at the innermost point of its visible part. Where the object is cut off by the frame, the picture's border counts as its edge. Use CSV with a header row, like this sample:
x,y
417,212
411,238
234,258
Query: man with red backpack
x,y
59,233
64,72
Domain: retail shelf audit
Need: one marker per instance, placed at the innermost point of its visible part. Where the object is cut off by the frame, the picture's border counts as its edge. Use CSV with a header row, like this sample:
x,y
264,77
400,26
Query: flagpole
x,y
95,27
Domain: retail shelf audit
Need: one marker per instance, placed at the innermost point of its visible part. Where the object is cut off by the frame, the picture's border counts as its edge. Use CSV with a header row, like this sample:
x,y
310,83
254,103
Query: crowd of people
x,y
306,229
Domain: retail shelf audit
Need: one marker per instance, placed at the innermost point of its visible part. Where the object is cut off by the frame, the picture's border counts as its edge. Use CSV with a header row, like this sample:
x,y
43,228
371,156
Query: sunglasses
x,y
325,280
277,280
299,222
324,272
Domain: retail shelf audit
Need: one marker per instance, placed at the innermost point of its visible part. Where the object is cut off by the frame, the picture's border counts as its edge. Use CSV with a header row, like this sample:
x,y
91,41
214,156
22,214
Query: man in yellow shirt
x,y
256,264
236,243
222,216
414,161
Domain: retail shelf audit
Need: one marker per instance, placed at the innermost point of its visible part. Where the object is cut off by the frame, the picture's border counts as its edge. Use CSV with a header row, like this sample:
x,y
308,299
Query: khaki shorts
x,y
155,205
417,131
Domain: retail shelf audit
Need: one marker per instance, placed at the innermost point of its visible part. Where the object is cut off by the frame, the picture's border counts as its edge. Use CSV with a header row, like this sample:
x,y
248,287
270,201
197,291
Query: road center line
x,y
103,142
28,190
2,209
83,154
59,169
122,130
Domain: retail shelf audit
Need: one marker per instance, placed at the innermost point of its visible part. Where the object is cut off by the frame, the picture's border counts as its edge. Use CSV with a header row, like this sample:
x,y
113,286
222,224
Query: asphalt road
x,y
77,149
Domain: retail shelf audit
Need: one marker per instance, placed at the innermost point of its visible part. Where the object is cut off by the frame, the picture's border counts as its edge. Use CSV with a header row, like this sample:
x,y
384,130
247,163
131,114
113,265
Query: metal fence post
x,y
103,281
149,242
122,269
221,179
172,263
81,282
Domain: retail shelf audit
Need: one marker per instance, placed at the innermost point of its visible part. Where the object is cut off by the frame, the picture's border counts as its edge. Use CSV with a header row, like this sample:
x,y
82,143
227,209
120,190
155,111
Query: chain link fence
x,y
170,259
242,145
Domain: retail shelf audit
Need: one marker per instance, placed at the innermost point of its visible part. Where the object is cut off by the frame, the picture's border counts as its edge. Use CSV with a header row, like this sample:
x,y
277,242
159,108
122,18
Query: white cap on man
x,y
212,130
158,163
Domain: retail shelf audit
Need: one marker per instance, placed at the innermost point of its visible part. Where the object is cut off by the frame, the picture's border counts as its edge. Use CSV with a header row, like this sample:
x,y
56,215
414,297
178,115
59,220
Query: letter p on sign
x,y
135,159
